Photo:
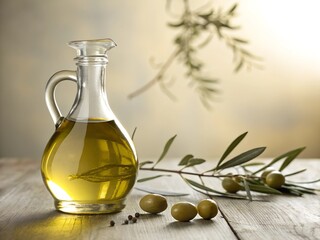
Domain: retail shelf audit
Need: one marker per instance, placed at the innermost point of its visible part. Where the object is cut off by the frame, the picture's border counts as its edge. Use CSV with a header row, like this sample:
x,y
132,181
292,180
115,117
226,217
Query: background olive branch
x,y
196,28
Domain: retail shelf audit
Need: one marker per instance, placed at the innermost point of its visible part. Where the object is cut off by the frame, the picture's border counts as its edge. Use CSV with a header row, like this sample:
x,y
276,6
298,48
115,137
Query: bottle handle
x,y
50,93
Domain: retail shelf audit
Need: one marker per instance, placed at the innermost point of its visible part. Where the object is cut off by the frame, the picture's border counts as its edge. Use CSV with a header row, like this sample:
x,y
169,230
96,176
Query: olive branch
x,y
196,29
248,181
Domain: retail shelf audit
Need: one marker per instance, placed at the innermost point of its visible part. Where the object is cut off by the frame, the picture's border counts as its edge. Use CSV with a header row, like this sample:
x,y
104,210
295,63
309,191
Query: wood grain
x,y
26,212
13,171
277,217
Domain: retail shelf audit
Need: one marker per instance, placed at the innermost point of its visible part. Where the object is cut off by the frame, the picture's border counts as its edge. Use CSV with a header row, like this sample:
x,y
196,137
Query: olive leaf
x,y
100,179
297,188
307,182
301,188
174,25
203,187
292,156
153,177
242,158
240,40
208,80
230,148
144,163
285,155
292,191
263,189
185,159
194,161
104,173
102,170
252,164
247,188
206,15
232,196
165,150
232,9
134,132
239,66
294,173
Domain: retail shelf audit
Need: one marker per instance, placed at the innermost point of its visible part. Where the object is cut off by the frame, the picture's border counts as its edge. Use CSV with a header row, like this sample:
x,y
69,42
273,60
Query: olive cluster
x,y
270,176
181,211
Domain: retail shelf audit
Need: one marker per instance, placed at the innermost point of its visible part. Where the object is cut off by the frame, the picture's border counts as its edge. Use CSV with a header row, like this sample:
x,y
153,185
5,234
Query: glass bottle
x,y
90,164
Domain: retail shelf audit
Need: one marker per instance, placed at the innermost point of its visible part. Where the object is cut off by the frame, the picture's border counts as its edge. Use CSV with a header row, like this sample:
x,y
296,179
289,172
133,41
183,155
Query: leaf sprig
x,y
196,28
249,181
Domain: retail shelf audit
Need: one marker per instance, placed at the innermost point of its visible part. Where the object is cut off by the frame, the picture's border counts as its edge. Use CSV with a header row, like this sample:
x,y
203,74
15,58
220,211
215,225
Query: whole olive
x,y
231,185
207,209
153,203
275,179
183,211
266,172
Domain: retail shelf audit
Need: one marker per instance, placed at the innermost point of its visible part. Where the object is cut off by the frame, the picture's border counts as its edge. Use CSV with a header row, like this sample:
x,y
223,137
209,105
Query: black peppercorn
x,y
134,220
112,223
130,217
137,215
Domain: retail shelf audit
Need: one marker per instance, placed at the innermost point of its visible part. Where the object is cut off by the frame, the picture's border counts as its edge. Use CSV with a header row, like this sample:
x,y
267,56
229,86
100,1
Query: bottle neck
x,y
91,103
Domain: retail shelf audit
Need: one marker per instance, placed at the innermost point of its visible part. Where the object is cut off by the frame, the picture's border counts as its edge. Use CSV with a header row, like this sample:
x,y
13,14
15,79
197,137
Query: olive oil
x,y
89,167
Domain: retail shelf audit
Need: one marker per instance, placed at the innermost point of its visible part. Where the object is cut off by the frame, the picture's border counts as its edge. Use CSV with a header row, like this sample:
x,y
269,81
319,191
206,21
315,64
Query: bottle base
x,y
86,207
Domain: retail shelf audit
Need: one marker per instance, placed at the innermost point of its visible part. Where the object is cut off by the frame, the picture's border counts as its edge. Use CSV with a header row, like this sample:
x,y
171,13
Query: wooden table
x,y
26,212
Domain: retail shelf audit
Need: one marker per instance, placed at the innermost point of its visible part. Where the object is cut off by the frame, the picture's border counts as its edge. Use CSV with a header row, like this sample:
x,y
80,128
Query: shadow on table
x,y
55,225
195,223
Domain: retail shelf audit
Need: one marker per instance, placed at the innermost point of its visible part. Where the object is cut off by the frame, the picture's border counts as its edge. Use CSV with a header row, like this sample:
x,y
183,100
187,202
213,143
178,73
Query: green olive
x,y
275,179
266,172
183,211
231,185
207,209
237,179
153,203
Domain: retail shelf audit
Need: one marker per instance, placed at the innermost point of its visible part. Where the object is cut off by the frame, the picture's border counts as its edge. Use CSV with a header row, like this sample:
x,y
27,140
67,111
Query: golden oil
x,y
89,167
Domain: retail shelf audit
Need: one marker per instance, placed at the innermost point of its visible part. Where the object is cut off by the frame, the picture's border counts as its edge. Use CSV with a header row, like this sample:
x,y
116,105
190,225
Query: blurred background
x,y
278,105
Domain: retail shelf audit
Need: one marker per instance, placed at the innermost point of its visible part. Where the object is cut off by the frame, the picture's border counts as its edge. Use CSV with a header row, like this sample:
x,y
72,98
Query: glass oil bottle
x,y
90,164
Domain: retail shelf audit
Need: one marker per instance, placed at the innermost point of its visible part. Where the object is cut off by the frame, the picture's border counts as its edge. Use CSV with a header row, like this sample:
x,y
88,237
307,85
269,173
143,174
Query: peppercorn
x,y
134,219
112,223
125,222
130,217
137,215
